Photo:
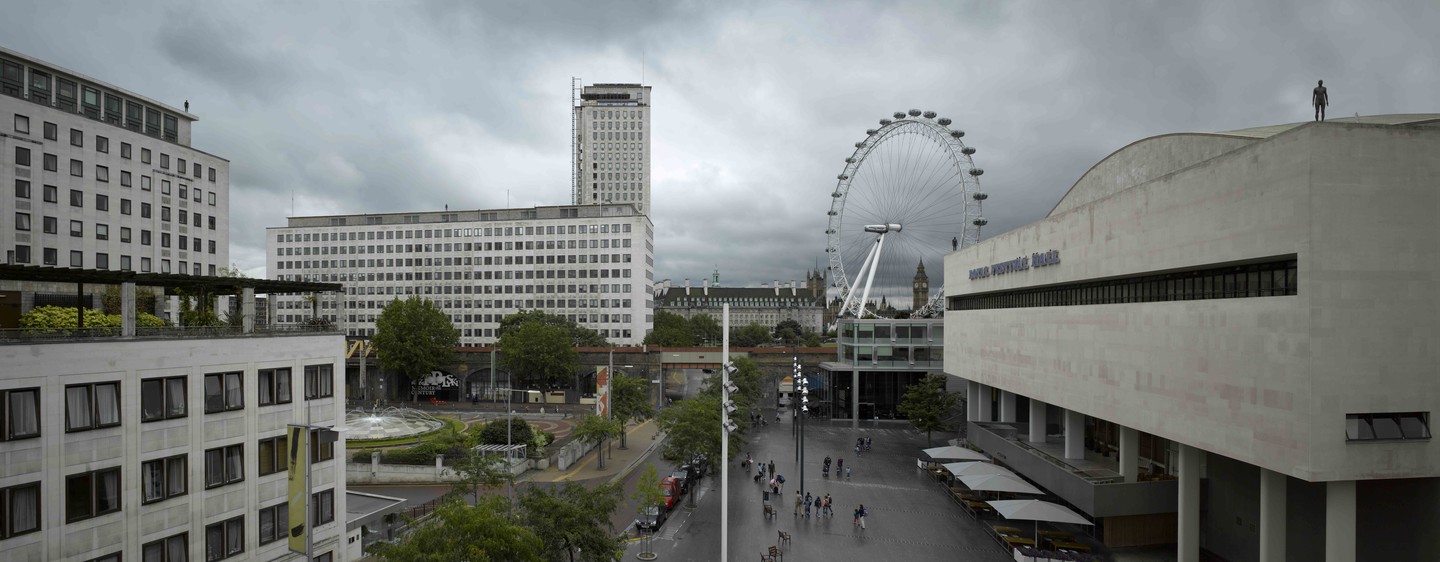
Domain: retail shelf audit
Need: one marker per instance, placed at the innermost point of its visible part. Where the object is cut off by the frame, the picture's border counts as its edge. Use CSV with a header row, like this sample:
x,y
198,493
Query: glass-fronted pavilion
x,y
877,359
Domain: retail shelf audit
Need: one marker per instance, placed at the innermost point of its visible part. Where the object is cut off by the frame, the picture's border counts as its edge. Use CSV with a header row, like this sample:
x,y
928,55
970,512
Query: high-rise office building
x,y
591,264
104,178
612,146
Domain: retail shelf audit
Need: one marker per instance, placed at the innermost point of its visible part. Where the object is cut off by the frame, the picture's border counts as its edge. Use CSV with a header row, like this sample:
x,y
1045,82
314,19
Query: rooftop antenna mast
x,y
575,144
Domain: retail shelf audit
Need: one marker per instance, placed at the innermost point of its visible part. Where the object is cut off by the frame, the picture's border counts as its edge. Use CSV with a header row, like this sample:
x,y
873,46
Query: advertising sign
x,y
602,392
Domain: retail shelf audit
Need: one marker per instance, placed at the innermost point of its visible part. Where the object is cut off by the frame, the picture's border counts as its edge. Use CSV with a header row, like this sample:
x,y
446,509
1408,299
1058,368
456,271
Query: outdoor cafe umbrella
x,y
1000,483
952,453
1037,511
958,469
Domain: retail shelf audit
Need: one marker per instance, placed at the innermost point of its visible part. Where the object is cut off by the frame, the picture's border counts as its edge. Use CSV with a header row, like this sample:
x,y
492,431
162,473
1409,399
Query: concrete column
x,y
1007,406
986,406
972,401
127,309
854,399
247,310
1187,536
1037,421
1272,516
1129,453
173,311
270,308
1074,435
1340,521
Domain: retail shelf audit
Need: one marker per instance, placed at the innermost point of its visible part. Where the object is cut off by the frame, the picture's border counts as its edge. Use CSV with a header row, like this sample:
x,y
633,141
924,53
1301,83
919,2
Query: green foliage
x,y
59,319
493,433
752,335
647,493
413,337
630,400
707,329
789,332
479,470
572,517
580,336
692,426
144,300
926,404
748,391
595,429
483,533
671,330
538,352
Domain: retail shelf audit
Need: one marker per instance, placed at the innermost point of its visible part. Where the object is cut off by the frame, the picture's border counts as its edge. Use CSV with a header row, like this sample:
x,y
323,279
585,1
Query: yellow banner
x,y
297,454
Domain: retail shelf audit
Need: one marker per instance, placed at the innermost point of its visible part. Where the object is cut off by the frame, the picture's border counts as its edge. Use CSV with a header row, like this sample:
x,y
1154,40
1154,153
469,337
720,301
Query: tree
x,y
749,336
594,429
671,330
478,470
538,352
707,329
747,381
810,338
648,495
494,432
630,401
571,517
483,533
926,403
414,337
789,331
580,336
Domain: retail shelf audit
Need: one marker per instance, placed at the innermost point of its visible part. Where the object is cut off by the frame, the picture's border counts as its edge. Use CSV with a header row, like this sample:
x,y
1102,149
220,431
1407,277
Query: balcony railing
x,y
31,335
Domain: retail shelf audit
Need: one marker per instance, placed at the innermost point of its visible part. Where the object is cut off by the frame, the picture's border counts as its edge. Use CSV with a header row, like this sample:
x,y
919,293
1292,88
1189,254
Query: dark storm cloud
x,y
388,106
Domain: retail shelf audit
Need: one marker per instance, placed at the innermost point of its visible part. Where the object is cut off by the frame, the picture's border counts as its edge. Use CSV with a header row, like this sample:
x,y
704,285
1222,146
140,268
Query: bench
x,y
774,556
784,537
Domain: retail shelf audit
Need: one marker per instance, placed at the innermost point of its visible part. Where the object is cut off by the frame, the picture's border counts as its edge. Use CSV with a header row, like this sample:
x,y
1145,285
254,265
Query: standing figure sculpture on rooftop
x,y
1320,98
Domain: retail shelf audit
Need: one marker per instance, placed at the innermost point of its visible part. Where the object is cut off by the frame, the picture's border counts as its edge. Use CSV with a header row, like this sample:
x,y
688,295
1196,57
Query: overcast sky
x,y
360,106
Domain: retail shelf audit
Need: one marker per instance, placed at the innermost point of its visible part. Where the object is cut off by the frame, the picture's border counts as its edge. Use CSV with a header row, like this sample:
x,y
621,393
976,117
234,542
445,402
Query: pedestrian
x,y
829,512
772,466
839,467
780,480
819,507
847,473
860,515
807,504
798,501
774,488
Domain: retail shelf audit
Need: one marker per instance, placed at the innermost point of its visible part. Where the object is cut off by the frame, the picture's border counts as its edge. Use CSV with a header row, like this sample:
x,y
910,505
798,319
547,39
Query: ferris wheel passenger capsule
x,y
981,196
869,131
944,121
914,113
976,172
860,144
929,114
980,221
967,150
957,134
899,114
884,122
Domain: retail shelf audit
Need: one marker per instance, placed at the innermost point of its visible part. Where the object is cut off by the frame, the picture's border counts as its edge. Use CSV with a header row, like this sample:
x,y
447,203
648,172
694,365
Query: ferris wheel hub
x,y
882,228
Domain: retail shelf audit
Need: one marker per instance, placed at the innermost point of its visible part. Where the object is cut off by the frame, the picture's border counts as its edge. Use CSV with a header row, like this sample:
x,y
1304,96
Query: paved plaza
x,y
910,516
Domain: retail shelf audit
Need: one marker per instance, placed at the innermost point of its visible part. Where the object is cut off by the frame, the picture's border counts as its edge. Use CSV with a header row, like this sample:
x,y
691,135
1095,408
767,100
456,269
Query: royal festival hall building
x,y
1223,341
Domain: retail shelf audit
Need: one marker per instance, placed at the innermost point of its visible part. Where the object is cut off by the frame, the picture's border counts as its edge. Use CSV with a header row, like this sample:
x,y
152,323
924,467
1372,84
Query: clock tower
x,y
920,287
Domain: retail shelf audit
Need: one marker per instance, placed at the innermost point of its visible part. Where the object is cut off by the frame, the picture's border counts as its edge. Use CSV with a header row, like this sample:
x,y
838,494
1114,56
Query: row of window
x,y
616,136
601,288
1399,426
471,333
51,225
97,405
64,93
616,228
410,249
51,194
1273,277
617,113
51,131
50,256
102,175
434,276
97,493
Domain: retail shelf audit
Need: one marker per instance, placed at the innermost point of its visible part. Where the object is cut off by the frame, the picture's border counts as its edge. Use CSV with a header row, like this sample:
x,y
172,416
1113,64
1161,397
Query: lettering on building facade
x,y
1022,263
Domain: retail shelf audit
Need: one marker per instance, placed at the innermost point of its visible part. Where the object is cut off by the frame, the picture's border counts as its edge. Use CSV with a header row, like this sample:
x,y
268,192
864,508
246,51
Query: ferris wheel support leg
x,y
874,265
850,295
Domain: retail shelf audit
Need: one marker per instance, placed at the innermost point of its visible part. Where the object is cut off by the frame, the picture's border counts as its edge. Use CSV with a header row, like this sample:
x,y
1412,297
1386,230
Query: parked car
x,y
651,519
681,478
701,464
671,488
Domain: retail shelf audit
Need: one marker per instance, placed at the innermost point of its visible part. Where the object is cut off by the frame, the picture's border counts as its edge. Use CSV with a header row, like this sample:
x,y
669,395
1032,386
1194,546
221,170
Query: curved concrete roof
x,y
1152,157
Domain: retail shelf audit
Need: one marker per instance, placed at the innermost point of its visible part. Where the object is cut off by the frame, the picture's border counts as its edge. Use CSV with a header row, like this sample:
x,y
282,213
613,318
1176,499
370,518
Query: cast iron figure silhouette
x,y
1320,98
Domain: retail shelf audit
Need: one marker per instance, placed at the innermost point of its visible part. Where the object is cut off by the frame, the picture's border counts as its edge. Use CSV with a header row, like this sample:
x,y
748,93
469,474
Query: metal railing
x,y
38,335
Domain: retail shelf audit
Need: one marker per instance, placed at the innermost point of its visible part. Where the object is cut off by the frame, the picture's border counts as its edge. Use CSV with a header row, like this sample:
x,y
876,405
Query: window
x,y
320,452
323,506
174,548
223,392
274,386
319,381
22,189
22,124
52,163
225,539
114,557
327,557
52,131
102,260
125,207
102,173
19,510
1387,427
22,221
77,168
77,198
197,170
164,161
144,210
51,225
125,180
163,479
273,455
224,465
212,174
102,144
274,522
52,194
162,398
212,204
77,228
102,232
125,150
77,138
22,156
77,258
92,494
92,406
22,253
145,183
21,414
102,202
145,155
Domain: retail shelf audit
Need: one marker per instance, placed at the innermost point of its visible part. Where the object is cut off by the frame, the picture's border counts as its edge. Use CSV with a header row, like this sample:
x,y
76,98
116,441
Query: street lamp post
x,y
726,426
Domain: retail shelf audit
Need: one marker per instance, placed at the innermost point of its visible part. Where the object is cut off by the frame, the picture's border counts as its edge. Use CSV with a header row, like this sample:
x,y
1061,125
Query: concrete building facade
x,y
104,178
612,146
592,264
1223,341
766,306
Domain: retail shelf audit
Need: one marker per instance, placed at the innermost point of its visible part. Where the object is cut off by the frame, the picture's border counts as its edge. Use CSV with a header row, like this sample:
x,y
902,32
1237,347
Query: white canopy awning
x,y
1036,510
953,453
1000,483
959,469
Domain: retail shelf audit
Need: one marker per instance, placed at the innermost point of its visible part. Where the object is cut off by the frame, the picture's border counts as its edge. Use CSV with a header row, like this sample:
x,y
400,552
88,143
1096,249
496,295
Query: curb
x,y
659,438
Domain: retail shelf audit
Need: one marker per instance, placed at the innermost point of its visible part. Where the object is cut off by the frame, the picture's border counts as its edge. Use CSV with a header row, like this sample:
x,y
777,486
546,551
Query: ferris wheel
x,y
909,194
